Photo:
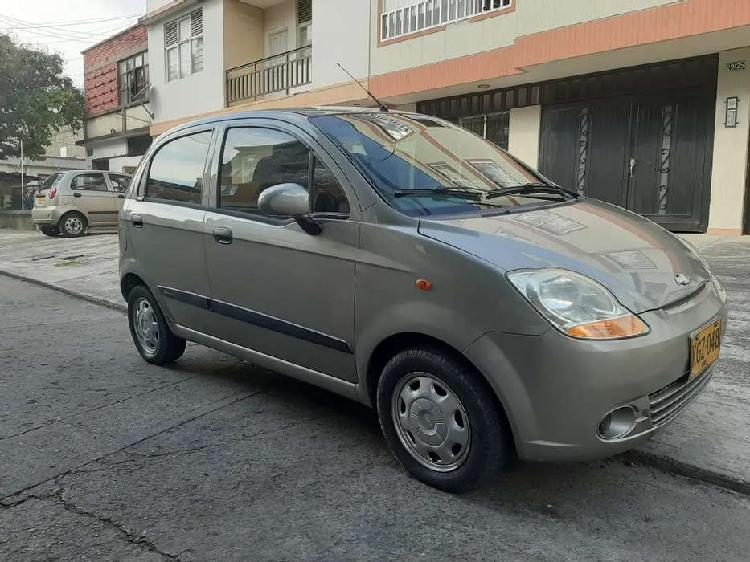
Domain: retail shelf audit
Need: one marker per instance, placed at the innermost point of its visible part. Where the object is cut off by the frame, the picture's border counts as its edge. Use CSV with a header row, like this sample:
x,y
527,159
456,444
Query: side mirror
x,y
289,200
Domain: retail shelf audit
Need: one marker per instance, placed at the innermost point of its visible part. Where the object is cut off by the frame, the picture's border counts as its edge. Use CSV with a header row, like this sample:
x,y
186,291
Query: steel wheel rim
x,y
74,225
431,422
146,326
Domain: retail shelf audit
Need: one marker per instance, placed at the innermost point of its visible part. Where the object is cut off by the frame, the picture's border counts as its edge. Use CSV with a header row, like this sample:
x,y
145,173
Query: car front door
x,y
89,192
165,226
274,288
119,184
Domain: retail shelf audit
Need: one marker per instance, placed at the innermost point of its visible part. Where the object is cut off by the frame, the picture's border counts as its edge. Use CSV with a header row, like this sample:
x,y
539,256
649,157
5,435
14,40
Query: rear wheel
x,y
50,231
72,224
441,421
152,337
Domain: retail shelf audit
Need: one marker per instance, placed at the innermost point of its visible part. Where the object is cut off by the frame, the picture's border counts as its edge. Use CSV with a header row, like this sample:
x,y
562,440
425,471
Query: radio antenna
x,y
381,105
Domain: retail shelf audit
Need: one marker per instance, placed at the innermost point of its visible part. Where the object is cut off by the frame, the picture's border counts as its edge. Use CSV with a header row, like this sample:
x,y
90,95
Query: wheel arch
x,y
396,343
128,282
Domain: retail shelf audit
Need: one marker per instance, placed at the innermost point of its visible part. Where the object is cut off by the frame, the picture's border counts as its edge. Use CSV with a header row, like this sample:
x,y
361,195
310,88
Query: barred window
x,y
183,41
402,17
133,78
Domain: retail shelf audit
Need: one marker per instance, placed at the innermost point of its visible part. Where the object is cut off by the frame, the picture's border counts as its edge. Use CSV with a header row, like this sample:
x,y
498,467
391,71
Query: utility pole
x,y
23,193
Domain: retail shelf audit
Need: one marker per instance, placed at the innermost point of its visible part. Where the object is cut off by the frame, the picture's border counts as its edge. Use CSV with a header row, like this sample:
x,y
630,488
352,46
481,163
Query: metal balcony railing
x,y
277,74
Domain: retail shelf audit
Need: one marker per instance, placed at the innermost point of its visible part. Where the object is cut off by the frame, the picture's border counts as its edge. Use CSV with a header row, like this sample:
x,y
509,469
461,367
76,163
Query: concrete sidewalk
x,y
709,441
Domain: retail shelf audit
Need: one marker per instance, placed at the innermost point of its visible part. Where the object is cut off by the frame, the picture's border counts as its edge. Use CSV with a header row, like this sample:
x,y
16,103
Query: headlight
x,y
576,305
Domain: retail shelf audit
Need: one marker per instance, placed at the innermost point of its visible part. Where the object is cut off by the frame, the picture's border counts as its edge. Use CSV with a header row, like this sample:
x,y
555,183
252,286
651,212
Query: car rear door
x,y
165,226
274,288
90,192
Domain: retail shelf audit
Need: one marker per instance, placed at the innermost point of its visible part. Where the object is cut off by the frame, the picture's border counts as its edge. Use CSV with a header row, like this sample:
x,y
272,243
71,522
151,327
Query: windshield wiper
x,y
529,189
443,191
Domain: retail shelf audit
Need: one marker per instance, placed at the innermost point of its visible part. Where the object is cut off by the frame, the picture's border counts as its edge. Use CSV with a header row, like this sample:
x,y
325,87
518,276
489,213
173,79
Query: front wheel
x,y
152,337
441,421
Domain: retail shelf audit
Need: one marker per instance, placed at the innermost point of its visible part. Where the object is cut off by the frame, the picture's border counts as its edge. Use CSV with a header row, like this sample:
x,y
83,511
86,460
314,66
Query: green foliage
x,y
36,100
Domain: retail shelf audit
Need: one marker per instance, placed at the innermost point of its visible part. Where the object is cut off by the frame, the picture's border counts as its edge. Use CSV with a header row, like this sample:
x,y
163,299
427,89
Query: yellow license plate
x,y
705,345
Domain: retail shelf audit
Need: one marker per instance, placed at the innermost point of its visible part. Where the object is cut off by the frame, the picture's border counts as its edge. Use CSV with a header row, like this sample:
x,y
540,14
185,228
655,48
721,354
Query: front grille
x,y
668,402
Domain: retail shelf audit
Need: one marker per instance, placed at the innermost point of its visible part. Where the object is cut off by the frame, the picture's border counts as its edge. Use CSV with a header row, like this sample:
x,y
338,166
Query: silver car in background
x,y
69,202
401,261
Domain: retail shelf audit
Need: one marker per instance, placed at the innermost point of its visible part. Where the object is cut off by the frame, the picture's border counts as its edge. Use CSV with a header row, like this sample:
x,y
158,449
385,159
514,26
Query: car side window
x,y
328,195
119,183
89,182
255,158
176,171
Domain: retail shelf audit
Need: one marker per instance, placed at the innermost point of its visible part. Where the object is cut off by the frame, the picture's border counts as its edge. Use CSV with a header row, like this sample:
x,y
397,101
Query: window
x,y
183,41
133,78
119,183
401,17
304,23
89,182
176,172
255,159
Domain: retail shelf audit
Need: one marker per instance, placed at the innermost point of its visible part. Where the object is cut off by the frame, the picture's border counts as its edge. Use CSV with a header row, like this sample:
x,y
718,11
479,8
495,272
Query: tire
x,y
72,224
152,337
51,231
426,436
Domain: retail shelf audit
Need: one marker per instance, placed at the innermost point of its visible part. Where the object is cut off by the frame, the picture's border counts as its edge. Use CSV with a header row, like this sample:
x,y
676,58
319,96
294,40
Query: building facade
x,y
643,103
117,101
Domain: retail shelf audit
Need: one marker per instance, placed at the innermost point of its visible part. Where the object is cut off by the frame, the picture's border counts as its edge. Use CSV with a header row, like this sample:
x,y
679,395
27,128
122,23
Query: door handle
x,y
121,196
137,221
76,194
223,235
632,168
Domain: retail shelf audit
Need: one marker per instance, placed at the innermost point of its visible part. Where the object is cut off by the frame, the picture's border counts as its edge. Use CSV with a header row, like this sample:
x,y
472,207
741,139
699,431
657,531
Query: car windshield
x,y
426,166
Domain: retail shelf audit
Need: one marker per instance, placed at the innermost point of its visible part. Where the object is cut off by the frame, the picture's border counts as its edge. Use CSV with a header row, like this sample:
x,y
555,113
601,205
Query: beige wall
x,y
279,17
728,175
466,37
523,136
243,33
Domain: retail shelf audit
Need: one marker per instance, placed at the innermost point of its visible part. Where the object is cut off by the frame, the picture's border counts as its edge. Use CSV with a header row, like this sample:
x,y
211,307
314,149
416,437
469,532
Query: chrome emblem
x,y
682,279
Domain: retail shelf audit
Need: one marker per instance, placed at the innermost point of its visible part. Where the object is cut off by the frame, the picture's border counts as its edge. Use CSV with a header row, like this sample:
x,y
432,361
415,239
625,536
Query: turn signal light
x,y
52,193
615,328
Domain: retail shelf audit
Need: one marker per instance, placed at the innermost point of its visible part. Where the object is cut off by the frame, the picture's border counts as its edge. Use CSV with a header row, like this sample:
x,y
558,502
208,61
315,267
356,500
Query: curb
x,y
643,458
88,298
680,468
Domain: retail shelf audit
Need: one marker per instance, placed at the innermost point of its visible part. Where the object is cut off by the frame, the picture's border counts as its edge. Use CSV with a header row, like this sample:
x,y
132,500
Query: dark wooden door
x,y
670,161
650,155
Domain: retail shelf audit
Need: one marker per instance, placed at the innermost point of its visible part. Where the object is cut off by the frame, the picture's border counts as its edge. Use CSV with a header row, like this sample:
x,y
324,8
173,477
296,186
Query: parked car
x,y
403,262
69,202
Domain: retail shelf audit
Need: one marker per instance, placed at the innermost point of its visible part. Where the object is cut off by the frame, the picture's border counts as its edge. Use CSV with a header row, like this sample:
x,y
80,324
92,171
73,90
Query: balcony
x,y
279,74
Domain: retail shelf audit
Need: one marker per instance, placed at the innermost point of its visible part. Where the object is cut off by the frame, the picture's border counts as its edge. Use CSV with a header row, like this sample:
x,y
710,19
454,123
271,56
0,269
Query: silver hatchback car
x,y
69,202
401,261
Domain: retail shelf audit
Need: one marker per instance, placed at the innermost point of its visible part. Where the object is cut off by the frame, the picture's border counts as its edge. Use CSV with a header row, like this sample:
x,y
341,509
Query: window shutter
x,y
171,34
196,23
304,11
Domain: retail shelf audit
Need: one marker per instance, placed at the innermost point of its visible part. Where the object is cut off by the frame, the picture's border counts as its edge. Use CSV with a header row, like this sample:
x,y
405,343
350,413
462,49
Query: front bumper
x,y
556,390
45,215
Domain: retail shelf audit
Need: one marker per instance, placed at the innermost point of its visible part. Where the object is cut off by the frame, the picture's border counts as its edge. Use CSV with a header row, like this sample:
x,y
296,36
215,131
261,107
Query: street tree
x,y
36,99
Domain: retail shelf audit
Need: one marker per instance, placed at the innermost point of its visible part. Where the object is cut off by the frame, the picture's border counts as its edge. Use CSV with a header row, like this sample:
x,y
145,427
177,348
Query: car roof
x,y
292,114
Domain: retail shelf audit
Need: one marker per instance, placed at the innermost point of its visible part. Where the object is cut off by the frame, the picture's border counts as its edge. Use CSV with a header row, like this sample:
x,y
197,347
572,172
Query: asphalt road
x,y
105,457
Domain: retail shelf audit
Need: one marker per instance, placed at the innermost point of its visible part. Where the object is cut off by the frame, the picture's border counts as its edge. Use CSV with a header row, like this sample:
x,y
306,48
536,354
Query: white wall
x,y
198,93
340,32
523,135
729,168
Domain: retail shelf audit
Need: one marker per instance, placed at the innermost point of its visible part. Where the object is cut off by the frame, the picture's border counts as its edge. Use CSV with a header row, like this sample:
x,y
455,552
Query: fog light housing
x,y
617,423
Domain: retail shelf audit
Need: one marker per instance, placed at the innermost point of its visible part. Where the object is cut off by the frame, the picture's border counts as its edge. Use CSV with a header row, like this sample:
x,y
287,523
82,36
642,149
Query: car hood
x,y
634,258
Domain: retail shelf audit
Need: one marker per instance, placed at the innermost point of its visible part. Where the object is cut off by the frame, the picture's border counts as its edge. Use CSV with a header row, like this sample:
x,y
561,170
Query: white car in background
x,y
70,202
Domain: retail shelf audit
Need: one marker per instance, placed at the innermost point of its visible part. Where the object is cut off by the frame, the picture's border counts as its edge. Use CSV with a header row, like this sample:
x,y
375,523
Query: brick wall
x,y
100,68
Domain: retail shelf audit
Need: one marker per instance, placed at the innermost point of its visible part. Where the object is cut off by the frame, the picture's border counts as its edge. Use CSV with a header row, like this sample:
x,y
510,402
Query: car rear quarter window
x,y
176,171
120,183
